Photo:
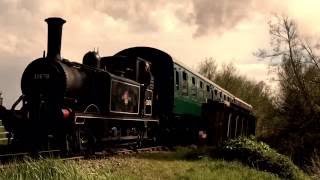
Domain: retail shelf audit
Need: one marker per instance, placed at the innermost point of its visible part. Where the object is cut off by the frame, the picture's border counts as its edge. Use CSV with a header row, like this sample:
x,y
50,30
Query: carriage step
x,y
2,129
3,141
3,135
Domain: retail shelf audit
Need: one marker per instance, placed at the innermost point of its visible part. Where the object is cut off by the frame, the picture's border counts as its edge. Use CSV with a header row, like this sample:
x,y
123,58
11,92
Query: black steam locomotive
x,y
139,95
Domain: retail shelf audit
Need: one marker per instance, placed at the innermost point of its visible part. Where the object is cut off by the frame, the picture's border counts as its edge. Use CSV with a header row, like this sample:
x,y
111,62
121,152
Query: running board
x,y
80,117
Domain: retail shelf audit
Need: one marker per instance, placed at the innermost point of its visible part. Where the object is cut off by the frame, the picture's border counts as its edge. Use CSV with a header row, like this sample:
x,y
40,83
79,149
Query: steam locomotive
x,y
139,95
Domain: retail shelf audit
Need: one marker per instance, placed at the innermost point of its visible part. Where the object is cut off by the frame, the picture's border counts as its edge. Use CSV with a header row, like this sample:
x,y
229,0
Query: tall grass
x,y
314,169
141,166
42,169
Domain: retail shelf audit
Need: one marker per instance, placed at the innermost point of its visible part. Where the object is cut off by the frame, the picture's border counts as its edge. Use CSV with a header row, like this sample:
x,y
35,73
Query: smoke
x,y
206,16
219,15
140,16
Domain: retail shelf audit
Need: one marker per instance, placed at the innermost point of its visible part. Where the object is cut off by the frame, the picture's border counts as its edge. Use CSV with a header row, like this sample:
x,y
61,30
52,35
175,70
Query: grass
x,y
166,165
314,168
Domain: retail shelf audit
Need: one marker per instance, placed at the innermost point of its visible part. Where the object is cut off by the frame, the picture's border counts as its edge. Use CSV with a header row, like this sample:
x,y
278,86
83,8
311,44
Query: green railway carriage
x,y
192,90
186,101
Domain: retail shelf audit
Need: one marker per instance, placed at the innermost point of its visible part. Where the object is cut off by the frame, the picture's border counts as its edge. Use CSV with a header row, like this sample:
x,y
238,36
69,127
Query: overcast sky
x,y
189,30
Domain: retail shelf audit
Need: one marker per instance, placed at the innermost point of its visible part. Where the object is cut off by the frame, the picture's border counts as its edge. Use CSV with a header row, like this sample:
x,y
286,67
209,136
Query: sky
x,y
189,30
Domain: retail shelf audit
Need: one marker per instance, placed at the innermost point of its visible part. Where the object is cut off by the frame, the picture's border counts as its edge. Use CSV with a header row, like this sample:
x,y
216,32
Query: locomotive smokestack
x,y
54,36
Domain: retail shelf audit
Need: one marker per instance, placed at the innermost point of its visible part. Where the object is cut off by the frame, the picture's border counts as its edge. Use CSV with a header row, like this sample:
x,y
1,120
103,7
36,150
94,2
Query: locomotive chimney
x,y
54,37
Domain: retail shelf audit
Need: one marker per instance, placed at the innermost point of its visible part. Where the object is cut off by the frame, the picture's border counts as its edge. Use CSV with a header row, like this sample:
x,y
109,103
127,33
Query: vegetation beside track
x,y
161,165
260,156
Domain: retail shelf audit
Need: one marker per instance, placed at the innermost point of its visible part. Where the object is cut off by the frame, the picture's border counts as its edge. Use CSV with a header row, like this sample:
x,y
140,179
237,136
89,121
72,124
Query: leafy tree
x,y
255,93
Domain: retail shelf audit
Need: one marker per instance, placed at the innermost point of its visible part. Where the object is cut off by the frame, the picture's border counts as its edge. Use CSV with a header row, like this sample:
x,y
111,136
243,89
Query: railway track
x,y
9,157
124,151
16,157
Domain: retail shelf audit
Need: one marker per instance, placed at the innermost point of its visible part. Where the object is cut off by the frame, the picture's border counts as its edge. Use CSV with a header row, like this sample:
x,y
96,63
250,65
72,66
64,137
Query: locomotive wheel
x,y
155,136
80,142
84,141
140,140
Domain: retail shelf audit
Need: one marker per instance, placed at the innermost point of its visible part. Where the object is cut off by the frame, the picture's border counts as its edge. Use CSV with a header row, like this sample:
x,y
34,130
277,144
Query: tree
x,y
208,68
255,93
227,76
297,68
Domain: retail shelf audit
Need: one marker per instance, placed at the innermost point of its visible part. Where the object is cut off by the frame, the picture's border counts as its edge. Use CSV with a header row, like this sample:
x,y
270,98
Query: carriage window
x,y
200,91
194,87
177,80
224,97
184,84
184,76
208,88
216,92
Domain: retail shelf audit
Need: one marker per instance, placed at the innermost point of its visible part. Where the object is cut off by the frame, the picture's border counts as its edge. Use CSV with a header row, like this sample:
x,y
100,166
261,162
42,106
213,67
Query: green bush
x,y
261,156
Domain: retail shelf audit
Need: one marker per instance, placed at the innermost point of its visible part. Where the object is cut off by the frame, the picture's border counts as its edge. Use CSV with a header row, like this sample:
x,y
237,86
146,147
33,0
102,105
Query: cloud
x,y
219,16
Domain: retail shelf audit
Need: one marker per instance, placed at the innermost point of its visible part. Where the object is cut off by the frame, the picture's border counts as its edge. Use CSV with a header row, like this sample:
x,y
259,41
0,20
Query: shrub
x,y
261,156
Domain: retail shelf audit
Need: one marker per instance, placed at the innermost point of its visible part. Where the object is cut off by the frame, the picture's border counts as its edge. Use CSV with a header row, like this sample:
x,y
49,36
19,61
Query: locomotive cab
x,y
138,70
